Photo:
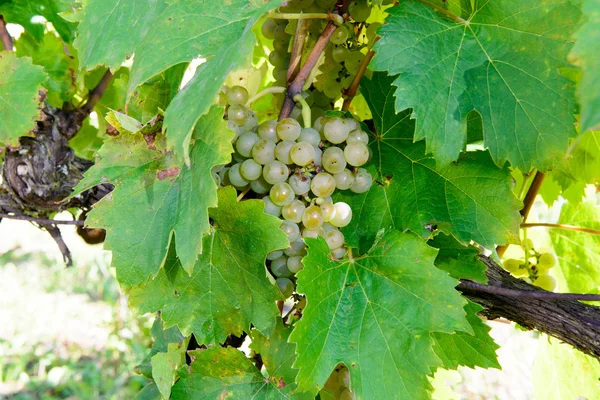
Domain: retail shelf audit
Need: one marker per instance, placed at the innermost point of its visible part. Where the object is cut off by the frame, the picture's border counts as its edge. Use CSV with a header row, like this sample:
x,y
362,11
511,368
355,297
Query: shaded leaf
x,y
277,353
166,364
461,262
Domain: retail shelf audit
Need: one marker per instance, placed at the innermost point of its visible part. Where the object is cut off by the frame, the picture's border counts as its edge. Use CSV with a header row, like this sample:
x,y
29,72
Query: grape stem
x,y
306,115
298,46
262,93
502,291
445,12
96,93
335,18
42,221
6,39
244,193
561,226
353,88
298,82
532,192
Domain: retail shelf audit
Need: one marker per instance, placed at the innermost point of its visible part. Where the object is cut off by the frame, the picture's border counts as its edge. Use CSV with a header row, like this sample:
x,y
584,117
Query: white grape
x,y
338,253
235,177
275,172
271,208
313,233
336,130
294,264
291,230
356,154
310,135
352,124
238,114
282,151
251,121
333,160
358,135
263,151
300,184
322,184
312,218
280,269
245,143
268,130
297,248
260,186
334,239
286,286
328,211
288,129
293,211
250,170
274,255
344,179
318,156
343,215
281,194
302,153
362,181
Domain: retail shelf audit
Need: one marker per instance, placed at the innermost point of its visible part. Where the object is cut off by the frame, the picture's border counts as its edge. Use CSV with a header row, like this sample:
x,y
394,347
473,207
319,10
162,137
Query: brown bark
x,y
570,321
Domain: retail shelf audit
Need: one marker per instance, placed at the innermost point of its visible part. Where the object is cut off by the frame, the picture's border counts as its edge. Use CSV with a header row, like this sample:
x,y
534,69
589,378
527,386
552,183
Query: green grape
x,y
271,208
316,113
281,45
300,184
372,31
344,378
334,239
237,95
332,88
336,131
328,210
291,230
235,177
294,264
297,248
302,153
279,31
340,35
358,135
251,121
310,135
283,149
288,129
353,61
286,286
260,186
216,178
263,151
293,211
268,130
513,266
280,76
250,170
281,194
268,28
545,282
279,268
339,54
546,261
356,154
333,160
320,123
245,143
343,215
224,175
339,253
327,4
362,181
312,218
359,11
275,172
236,130
313,233
274,255
238,114
322,184
320,100
279,59
344,180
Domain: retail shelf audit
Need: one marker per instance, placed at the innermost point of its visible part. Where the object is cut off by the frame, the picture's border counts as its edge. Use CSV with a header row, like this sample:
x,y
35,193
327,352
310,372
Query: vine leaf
x,y
375,314
585,54
20,99
460,348
109,30
229,288
166,364
21,12
154,196
470,199
503,62
226,373
583,160
461,262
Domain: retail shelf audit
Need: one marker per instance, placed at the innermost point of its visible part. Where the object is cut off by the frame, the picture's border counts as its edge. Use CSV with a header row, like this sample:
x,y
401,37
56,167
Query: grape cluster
x,y
295,170
338,384
534,265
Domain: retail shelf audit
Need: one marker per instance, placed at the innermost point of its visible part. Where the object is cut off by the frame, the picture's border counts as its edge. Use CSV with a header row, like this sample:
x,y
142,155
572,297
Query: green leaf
x,y
583,160
375,314
229,288
54,55
578,252
22,11
585,55
165,366
226,373
471,199
154,196
461,262
149,392
110,30
503,62
220,32
277,353
460,348
20,100
562,372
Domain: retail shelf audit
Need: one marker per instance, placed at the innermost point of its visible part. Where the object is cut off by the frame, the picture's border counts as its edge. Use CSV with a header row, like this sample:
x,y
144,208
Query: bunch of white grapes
x,y
533,265
295,170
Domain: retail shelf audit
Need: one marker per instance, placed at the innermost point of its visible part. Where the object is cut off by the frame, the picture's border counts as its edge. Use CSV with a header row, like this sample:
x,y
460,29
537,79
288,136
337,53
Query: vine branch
x,y
561,226
96,93
41,221
6,39
478,287
296,56
353,88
